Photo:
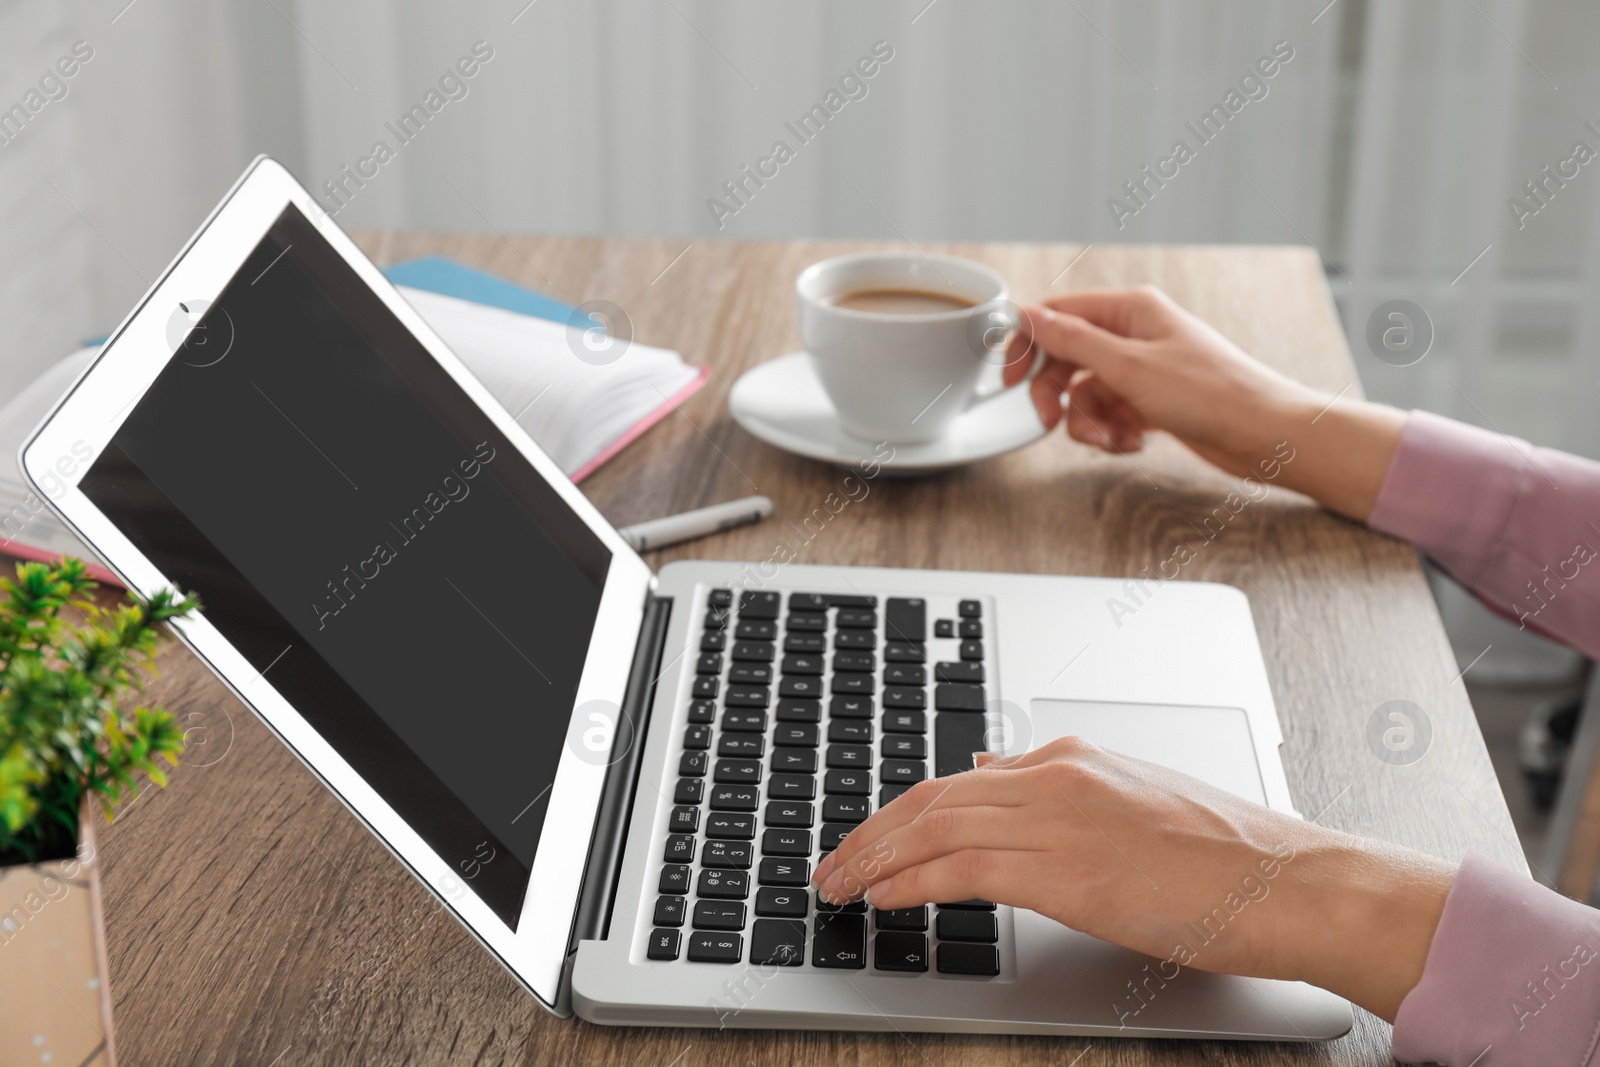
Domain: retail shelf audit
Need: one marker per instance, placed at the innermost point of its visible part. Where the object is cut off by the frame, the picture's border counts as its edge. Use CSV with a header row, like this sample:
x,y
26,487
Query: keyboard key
x,y
737,771
850,707
707,947
905,696
702,711
675,879
970,609
856,619
792,787
697,738
955,696
708,663
849,756
812,622
723,885
801,734
783,903
669,911
733,798
972,904
731,826
807,602
858,907
904,746
747,696
720,598
779,942
801,642
713,641
799,711
689,791
900,952
753,652
959,672
905,652
728,855
840,941
850,731
752,746
855,661
972,650
905,722
692,764
750,674
971,629
718,915
855,639
969,959
888,794
805,686
716,620
847,783
795,760
744,722
793,813
902,771
663,945
706,687
956,736
846,809
833,833
680,849
905,619
791,873
944,628
850,600
904,674
802,663
968,926
902,918
756,630
851,683
781,841
753,605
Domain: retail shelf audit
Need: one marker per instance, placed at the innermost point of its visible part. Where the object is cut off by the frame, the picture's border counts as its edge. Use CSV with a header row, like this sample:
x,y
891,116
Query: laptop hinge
x,y
599,891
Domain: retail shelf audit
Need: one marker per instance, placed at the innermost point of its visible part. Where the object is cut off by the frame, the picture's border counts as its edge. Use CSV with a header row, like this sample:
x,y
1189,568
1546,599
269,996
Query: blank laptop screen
x,y
362,534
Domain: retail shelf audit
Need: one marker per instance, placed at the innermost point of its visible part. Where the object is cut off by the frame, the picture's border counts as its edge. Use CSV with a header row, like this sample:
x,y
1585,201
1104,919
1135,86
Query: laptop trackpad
x,y
1212,744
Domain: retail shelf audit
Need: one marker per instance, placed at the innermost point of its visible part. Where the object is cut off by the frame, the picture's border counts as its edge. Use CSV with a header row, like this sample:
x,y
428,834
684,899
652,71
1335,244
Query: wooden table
x,y
252,920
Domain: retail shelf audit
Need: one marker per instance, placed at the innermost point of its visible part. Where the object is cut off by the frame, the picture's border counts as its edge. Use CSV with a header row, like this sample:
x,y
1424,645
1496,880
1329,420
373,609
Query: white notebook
x,y
581,411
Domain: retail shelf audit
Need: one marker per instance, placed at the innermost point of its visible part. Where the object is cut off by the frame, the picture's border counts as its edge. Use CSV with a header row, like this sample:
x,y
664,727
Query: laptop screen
x,y
362,533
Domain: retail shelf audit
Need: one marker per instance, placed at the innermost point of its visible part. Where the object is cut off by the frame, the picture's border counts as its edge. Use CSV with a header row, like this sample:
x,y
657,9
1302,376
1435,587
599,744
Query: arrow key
x,y
900,952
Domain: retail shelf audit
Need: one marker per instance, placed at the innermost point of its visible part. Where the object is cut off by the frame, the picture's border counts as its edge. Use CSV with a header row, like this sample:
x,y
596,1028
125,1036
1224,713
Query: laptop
x,y
619,780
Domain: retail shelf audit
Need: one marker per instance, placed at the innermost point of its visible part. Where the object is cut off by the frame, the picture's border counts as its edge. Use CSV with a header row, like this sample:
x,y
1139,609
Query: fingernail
x,y
876,893
830,889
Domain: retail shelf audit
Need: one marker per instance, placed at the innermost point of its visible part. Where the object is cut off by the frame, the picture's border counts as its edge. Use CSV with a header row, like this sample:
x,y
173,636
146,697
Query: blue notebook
x,y
448,278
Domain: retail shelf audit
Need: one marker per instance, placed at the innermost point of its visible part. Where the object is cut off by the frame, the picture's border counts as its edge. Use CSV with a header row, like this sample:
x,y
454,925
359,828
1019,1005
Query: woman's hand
x,y
1158,862
1126,361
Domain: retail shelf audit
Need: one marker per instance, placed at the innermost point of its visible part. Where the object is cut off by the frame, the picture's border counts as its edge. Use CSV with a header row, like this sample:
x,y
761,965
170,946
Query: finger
x,y
1073,339
1126,312
1048,388
982,786
937,832
1001,875
1097,415
1019,353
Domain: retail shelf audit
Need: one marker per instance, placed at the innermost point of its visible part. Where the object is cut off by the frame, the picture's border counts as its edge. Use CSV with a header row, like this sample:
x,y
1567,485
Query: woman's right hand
x,y
1122,362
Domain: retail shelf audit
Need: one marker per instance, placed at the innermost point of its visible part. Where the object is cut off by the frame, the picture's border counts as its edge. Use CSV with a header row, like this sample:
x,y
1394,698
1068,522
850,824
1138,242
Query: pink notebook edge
x,y
21,550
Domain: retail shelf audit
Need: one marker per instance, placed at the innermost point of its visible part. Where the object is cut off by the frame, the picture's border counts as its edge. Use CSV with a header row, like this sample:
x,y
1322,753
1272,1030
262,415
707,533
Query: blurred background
x,y
1399,138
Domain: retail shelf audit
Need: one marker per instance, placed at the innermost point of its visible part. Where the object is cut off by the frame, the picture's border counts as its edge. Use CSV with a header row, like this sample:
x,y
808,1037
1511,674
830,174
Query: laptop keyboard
x,y
807,712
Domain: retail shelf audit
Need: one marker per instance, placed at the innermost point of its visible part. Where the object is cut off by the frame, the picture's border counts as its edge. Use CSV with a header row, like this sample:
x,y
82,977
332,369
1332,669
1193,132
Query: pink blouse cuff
x,y
1514,971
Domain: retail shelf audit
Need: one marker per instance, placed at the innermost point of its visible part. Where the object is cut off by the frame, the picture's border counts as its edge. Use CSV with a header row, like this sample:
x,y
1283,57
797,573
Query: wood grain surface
x,y
251,919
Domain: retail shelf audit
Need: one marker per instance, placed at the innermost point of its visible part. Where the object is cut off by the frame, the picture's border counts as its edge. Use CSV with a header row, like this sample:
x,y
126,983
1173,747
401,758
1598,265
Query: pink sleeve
x,y
1513,972
1514,524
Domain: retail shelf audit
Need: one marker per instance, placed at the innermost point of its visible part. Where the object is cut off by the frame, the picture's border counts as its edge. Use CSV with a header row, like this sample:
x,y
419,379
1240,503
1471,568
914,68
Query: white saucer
x,y
783,403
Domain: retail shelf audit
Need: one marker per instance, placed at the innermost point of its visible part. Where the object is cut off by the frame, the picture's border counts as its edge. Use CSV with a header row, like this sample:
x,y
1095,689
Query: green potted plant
x,y
70,752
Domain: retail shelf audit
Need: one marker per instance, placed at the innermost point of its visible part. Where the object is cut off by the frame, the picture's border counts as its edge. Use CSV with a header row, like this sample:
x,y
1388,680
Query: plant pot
x,y
55,994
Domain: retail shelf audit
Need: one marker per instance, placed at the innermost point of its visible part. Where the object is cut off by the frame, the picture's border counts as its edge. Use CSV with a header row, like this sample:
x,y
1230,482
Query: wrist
x,y
1341,448
1372,911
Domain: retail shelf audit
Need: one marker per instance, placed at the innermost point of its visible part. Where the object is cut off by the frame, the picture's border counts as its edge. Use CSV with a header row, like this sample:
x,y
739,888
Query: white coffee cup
x,y
898,377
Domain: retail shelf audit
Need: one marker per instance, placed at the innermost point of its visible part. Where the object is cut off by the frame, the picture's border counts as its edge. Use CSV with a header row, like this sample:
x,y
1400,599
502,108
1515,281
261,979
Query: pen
x,y
702,522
